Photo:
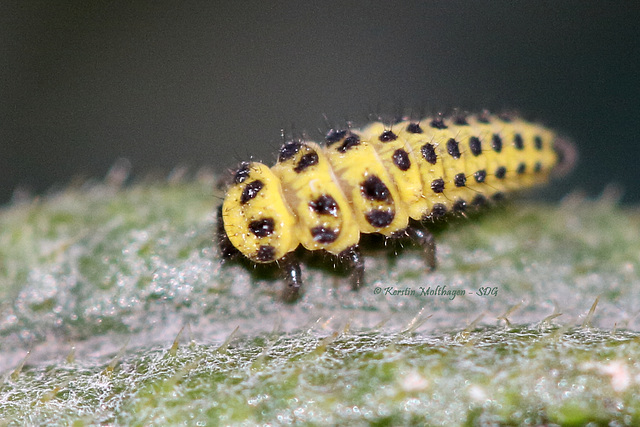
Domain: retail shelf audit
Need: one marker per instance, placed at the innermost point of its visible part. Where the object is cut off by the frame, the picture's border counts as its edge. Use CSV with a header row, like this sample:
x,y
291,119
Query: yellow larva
x,y
377,180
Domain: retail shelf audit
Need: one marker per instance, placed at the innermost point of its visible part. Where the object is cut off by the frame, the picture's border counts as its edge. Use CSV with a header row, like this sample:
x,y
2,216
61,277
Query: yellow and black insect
x,y
381,179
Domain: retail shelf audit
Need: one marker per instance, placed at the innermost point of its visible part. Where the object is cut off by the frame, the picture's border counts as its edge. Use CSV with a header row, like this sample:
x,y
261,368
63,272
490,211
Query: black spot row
x,y
250,191
401,159
325,205
387,136
262,227
306,161
288,150
379,218
374,189
266,253
324,235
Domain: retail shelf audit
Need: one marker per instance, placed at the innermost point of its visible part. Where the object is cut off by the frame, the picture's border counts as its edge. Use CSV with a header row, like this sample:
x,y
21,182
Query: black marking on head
x,y
429,153
518,142
459,206
453,148
496,143
479,200
460,180
501,172
378,218
438,211
374,189
262,227
323,235
480,176
437,185
537,167
498,197
414,128
537,142
288,150
350,141
401,159
306,161
335,135
250,191
522,167
242,173
387,136
475,146
438,123
325,205
266,253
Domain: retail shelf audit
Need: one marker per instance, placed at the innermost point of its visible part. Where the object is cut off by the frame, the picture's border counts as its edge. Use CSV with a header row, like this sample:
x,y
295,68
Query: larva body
x,y
374,181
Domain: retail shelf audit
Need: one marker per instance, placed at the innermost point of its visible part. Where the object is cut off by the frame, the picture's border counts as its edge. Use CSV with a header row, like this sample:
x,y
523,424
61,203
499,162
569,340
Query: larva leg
x,y
425,239
292,276
356,264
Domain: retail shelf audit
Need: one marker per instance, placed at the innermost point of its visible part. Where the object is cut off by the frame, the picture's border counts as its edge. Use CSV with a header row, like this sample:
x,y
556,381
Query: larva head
x,y
256,219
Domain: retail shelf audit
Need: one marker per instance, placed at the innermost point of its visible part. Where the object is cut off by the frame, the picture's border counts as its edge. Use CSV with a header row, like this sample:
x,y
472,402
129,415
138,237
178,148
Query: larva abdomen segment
x,y
325,219
375,180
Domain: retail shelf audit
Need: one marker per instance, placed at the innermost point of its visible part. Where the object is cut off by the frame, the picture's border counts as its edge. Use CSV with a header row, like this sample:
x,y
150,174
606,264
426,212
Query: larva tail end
x,y
567,156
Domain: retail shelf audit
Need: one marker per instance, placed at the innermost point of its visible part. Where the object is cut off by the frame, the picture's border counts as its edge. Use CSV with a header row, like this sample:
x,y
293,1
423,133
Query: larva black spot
x,y
537,143
414,128
401,159
262,227
460,206
460,120
479,200
480,176
266,253
289,150
501,172
453,149
429,153
323,235
335,135
349,142
483,118
475,146
437,185
438,211
325,205
518,143
387,136
522,167
537,167
438,123
460,180
506,117
251,191
374,189
496,143
306,161
498,197
379,218
242,173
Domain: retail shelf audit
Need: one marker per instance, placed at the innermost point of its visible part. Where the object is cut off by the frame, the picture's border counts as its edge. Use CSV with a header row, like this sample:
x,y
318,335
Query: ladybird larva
x,y
380,179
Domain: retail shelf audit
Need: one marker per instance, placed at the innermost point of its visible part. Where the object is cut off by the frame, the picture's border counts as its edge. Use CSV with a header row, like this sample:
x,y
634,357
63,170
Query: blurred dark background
x,y
85,83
